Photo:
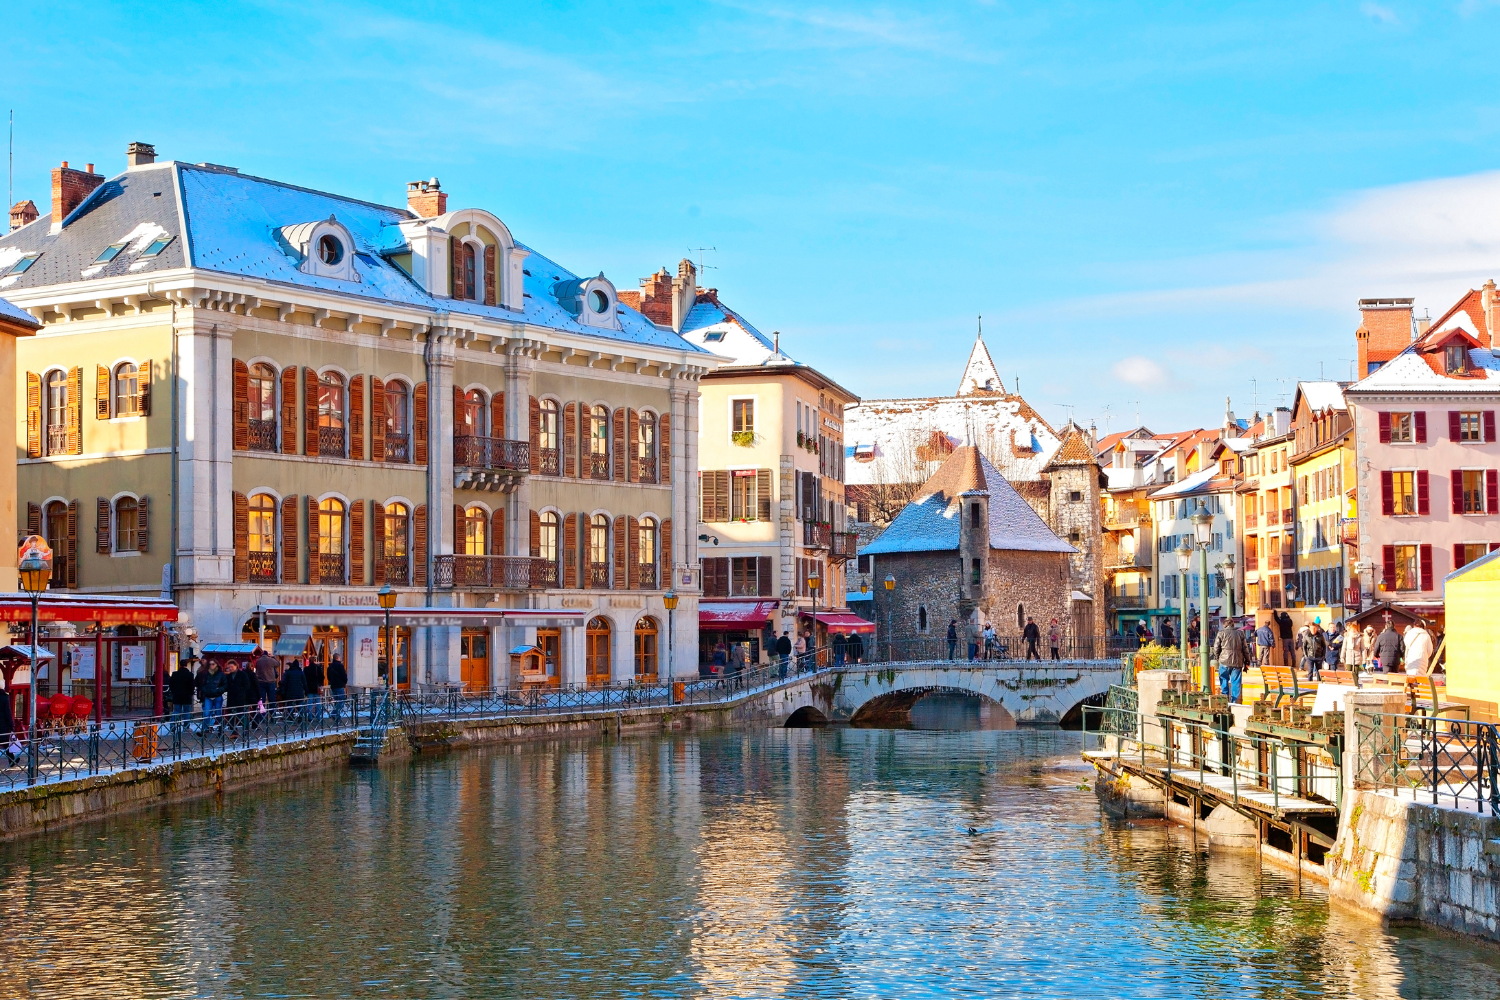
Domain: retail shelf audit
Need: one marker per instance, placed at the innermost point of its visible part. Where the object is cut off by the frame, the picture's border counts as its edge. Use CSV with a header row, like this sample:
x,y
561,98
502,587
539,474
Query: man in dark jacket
x,y
1266,640
243,692
1233,653
952,637
265,678
1168,635
1284,626
7,725
1388,649
180,686
313,674
1032,635
1314,648
784,651
856,648
212,684
338,680
293,691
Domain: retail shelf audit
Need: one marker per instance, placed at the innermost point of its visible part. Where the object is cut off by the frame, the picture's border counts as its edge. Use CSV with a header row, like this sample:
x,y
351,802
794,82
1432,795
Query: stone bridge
x,y
883,693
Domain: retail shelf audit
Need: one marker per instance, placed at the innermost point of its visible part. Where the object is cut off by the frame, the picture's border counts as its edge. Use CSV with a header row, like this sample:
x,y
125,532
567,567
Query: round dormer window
x,y
599,301
330,250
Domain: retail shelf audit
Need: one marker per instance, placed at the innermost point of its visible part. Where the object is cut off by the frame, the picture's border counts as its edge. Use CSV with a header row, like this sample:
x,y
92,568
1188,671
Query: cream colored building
x,y
283,397
14,323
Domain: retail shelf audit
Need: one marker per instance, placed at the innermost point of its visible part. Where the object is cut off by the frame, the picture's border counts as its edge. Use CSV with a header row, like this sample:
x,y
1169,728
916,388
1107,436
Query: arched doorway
x,y
251,632
597,652
646,635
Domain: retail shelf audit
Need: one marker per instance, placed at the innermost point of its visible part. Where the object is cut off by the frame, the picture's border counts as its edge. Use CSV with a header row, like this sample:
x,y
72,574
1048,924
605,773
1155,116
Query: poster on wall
x,y
82,660
133,663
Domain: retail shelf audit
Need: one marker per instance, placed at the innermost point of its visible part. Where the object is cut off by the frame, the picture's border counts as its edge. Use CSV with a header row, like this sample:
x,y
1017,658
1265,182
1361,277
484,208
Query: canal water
x,y
800,863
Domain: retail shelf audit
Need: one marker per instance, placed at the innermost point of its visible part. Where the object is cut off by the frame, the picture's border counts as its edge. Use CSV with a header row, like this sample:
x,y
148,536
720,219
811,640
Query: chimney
x,y
426,199
69,188
776,341
138,154
22,213
1385,330
1491,314
684,293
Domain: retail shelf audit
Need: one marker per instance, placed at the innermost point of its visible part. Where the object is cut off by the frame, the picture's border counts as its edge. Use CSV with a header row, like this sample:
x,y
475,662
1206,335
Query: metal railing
x,y
547,461
263,436
815,534
331,568
646,575
57,440
397,569
598,576
263,567
1455,762
1002,648
492,453
332,442
645,470
598,466
490,572
397,447
843,544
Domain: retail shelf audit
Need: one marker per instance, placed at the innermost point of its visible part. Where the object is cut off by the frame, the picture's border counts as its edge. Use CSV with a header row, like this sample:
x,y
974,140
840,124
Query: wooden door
x,y
474,659
549,641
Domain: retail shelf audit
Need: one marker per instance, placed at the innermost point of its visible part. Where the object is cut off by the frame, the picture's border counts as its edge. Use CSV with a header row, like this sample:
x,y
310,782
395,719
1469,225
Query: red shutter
x,y
70,561
377,421
377,550
667,573
357,418
1419,420
419,423
241,536
459,428
289,536
497,415
570,549
289,413
1387,495
1457,479
101,392
664,428
241,406
622,552
75,411
309,412
619,442
633,554
1491,492
1388,566
1384,419
536,535
534,430
314,564
419,545
143,524
489,275
570,439
633,448
33,416
1426,558
1458,557
1454,429
357,544
497,532
102,527
1489,426
1423,505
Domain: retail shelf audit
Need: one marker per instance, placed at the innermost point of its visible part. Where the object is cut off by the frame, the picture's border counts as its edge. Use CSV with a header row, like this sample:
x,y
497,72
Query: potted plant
x,y
743,438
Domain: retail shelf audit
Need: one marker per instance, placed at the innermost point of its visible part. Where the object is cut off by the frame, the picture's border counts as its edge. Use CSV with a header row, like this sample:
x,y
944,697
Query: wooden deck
x,y
1213,788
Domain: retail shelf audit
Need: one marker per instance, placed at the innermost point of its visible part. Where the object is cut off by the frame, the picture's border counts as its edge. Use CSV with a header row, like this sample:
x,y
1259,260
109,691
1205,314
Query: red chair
x,y
79,711
59,705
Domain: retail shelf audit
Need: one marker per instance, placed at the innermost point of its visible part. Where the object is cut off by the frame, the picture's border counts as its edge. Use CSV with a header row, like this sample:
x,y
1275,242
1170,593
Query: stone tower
x,y
1075,514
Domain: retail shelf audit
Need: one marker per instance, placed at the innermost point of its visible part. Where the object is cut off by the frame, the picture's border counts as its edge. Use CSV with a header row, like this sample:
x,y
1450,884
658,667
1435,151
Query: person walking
x,y
952,637
989,641
1314,648
293,690
265,677
856,648
1032,635
1388,649
736,662
212,684
719,662
784,651
180,686
1168,637
313,673
1266,640
1352,655
800,649
1335,648
338,680
1416,648
242,692
1054,639
1232,652
1284,628
839,646
1367,649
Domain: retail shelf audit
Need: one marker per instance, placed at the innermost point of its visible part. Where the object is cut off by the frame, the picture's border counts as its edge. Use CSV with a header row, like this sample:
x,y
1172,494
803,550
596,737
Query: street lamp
x,y
890,587
670,600
1228,565
387,598
1203,528
1184,564
34,572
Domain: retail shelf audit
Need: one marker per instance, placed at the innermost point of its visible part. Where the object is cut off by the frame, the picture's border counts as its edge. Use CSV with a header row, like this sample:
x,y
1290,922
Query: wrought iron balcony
x,y
598,578
646,576
494,572
263,436
598,466
397,447
645,470
843,544
397,570
262,567
331,568
494,465
816,534
550,463
57,440
1129,601
331,442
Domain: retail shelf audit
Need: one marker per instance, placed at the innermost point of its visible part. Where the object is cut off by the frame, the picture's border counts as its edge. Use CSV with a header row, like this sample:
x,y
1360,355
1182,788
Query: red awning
x,y
110,610
843,621
735,614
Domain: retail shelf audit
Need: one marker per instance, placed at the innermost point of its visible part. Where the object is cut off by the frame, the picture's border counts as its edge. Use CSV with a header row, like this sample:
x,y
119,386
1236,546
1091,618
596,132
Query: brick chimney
x,y
1384,332
22,213
426,199
138,154
1491,303
656,298
69,188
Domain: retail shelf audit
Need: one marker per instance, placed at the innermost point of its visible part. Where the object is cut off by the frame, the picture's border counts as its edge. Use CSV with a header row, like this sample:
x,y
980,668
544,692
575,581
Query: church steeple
x,y
980,375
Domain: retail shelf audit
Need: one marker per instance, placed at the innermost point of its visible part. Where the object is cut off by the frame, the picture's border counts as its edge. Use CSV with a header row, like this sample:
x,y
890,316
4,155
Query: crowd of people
x,y
200,687
787,655
984,642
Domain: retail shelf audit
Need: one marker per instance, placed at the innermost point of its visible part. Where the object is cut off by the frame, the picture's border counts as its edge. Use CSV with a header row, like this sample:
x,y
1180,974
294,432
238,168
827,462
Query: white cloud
x,y
1140,371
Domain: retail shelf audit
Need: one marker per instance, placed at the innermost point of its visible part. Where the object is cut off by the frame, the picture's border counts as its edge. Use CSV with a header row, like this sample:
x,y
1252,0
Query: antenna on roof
x,y
1106,418
700,251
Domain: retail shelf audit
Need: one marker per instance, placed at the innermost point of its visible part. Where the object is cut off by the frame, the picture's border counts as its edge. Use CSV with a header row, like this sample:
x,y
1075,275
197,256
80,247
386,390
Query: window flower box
x,y
743,438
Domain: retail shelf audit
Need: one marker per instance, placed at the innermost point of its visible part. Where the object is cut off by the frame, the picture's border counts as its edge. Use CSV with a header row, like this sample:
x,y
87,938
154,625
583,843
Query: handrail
x,y
1447,759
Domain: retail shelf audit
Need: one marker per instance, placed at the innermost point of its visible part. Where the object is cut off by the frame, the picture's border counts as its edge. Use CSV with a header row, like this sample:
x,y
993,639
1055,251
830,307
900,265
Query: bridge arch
x,y
806,717
894,707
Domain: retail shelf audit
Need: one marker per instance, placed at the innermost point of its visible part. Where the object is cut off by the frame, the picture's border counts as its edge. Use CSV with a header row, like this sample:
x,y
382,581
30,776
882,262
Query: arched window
x,y
547,436
397,560
397,422
331,538
262,508
127,510
55,530
922,619
598,575
547,548
55,409
599,442
331,400
263,408
475,523
471,286
596,654
127,390
471,420
645,649
646,448
1020,617
646,544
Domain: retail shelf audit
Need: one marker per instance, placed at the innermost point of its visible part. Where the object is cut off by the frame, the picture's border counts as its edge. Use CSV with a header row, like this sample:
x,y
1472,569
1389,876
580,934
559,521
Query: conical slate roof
x,y
980,375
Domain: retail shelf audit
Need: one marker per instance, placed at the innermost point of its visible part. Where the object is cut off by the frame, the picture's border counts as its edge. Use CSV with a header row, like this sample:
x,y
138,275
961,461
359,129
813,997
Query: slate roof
x,y
14,314
740,340
930,523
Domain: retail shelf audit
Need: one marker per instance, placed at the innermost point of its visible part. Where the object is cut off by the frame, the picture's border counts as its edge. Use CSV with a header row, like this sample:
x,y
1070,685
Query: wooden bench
x,y
1284,681
1431,706
1349,677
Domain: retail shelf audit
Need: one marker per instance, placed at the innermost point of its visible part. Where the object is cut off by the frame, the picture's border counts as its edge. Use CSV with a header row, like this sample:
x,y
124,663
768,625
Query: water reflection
x,y
778,863
959,713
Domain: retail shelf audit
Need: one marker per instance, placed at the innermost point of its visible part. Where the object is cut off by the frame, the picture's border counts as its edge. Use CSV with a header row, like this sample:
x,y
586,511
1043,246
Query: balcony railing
x,y
331,568
57,440
1251,519
331,442
1252,564
397,447
646,575
843,544
816,534
1128,601
1123,517
493,572
598,578
1288,561
1286,515
1128,560
263,436
397,570
262,567
645,470
494,453
549,462
1272,518
598,466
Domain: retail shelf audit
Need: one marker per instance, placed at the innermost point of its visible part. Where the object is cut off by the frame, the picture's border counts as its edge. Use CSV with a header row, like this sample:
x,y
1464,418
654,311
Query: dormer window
x,y
591,300
323,249
330,250
1455,359
599,301
156,246
109,253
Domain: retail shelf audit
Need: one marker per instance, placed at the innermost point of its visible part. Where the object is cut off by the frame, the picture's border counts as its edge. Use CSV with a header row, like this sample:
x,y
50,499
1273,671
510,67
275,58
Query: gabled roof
x,y
980,374
931,522
1196,483
1074,450
716,328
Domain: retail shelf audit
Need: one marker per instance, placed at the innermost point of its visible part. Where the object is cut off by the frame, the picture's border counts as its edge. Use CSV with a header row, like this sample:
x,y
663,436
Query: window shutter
x,y
377,550
570,439
1457,479
101,392
241,535
620,444
71,561
241,406
357,418
357,544
622,551
1423,505
455,268
497,532
75,411
1489,426
570,550
536,535
419,545
377,423
763,494
664,433
665,544
289,413
1458,557
419,424
633,446
489,275
1388,565
1491,491
534,431
1387,495
143,389
633,553
1426,557
458,411
314,564
309,412
1419,421
721,490
33,416
763,570
458,530
143,525
33,519
716,577
497,415
289,538
1453,425
102,526
1383,419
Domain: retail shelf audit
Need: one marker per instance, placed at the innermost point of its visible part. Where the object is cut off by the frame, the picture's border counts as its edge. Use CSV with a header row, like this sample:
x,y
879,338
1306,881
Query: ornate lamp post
x,y
1184,564
1226,578
670,600
1203,528
890,587
34,572
387,598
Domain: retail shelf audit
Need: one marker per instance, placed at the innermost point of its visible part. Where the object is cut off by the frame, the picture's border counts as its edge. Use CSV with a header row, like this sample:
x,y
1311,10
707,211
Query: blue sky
x,y
1151,205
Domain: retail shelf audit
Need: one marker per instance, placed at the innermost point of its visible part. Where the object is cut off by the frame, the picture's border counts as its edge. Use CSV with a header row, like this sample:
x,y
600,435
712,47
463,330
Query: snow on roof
x,y
980,374
15,314
1323,395
720,330
1409,372
930,523
1192,484
906,440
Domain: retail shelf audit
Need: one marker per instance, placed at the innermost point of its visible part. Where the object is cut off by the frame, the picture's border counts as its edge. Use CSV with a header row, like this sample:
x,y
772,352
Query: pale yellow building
x,y
14,323
1323,475
1472,637
1266,528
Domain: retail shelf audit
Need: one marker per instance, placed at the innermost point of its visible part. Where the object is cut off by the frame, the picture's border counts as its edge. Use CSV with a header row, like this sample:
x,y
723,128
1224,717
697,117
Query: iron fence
x,y
1000,648
491,453
488,572
1454,762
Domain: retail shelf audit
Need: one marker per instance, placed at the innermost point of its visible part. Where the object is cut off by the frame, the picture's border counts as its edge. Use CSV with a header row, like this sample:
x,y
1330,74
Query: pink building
x,y
1428,496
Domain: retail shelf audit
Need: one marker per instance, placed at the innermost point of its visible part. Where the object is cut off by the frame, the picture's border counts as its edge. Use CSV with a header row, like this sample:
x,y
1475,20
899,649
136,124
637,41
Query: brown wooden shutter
x,y
497,415
33,416
1456,478
1424,504
143,389
33,519
357,418
101,392
309,412
665,544
633,447
664,432
570,551
536,535
620,444
489,275
716,577
377,551
357,544
570,439
419,423
763,571
419,545
723,503
289,412
71,560
633,556
377,421
241,406
534,425
289,539
497,532
622,551
458,412
75,411
102,526
458,530
143,525
763,494
314,563
455,268
241,535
